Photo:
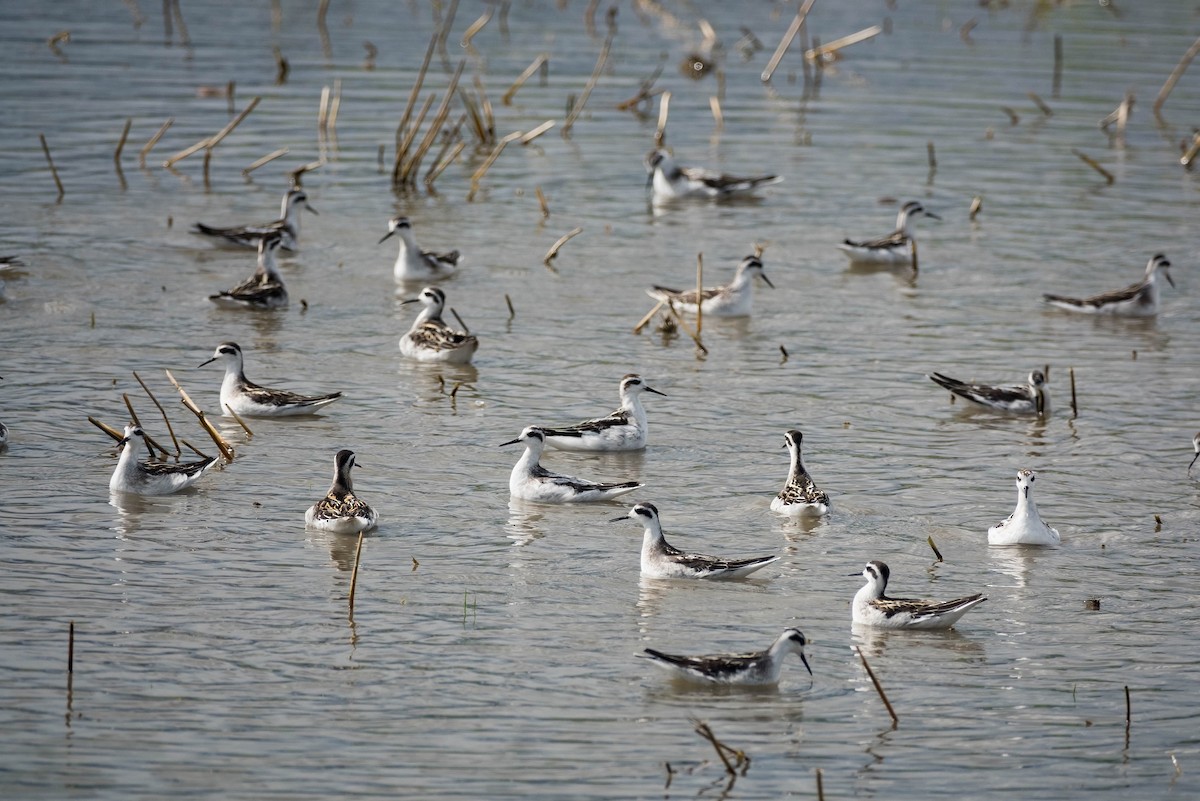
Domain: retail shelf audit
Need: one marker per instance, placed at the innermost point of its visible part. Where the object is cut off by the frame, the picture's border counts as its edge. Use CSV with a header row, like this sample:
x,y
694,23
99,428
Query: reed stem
x,y
53,169
878,687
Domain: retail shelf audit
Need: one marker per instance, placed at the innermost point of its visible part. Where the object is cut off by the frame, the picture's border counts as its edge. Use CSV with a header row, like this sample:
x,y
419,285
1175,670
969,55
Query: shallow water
x,y
491,654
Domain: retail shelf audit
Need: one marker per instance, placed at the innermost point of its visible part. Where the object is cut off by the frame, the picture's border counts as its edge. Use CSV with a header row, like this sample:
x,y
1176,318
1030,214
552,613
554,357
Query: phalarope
x,y
414,264
893,249
760,668
430,339
340,511
873,608
152,478
247,398
800,495
660,559
735,299
622,430
287,226
264,289
1024,526
668,181
1032,398
531,482
1136,300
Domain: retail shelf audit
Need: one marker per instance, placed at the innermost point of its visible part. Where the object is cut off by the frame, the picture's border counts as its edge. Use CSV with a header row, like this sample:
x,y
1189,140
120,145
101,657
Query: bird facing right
x,y
755,669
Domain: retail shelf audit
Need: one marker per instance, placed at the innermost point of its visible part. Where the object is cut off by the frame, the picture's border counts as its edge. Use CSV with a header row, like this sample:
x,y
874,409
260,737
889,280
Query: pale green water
x,y
213,654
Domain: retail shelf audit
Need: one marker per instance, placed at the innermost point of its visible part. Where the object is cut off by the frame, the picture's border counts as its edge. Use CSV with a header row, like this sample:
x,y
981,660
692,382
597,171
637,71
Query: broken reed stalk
x,y
536,132
976,207
678,319
438,167
878,687
714,103
511,311
323,110
507,98
818,53
664,106
913,246
699,292
416,91
460,321
577,107
267,159
936,552
134,417
931,155
1091,162
444,33
71,654
50,161
409,166
193,448
1174,77
786,41
1189,155
645,321
1041,104
488,162
406,142
295,176
212,141
121,143
152,141
1074,405
223,446
545,207
741,760
112,432
820,786
161,410
240,421
1056,82
476,26
552,253
354,573
1120,115
1128,711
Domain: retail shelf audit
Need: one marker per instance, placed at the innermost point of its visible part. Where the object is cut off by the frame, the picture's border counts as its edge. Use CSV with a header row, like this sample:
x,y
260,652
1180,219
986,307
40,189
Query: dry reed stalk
x,y
1041,104
71,648
786,41
107,429
177,12
818,53
323,110
936,552
476,26
1120,115
1189,155
230,103
664,107
444,33
210,142
53,169
161,410
679,320
577,107
146,148
1174,77
511,311
281,67
354,572
699,292
405,144
536,132
878,687
438,167
267,159
913,247
645,91
134,417
53,42
964,32
476,117
240,421
1056,81
402,127
485,106
409,169
460,321
121,143
1091,162
714,103
488,162
820,786
542,203
552,253
296,176
976,207
1074,404
223,446
507,98
1013,118
645,321
372,51
193,449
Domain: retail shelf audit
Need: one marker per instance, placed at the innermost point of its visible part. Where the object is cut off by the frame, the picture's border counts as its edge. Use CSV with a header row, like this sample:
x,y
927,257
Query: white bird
x,y
414,264
152,478
1136,300
660,559
430,339
531,482
622,430
873,608
340,511
895,249
264,289
760,668
250,400
800,495
287,226
668,181
735,299
1024,526
1032,398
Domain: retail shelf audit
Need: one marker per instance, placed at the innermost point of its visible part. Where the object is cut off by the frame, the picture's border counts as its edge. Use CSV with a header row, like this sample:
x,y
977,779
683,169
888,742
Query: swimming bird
x,y
800,495
759,668
1196,446
152,478
341,511
668,181
430,339
414,264
1032,398
1024,526
660,559
287,226
893,249
531,482
873,608
622,430
1135,300
264,289
249,399
735,299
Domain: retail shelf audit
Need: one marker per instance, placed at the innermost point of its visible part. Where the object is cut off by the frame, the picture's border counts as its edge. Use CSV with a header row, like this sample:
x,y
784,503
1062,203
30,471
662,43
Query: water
x,y
491,653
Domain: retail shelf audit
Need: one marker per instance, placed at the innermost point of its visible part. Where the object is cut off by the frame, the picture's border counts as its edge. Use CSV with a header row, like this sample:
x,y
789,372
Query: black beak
x,y
310,208
655,391
649,179
859,573
766,280
510,442
210,361
122,441
932,216
1170,280
410,300
619,519
385,237
1025,491
1194,458
804,659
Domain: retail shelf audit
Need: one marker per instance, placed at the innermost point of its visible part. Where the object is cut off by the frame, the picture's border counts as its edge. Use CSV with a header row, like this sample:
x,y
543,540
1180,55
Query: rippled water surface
x,y
491,651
